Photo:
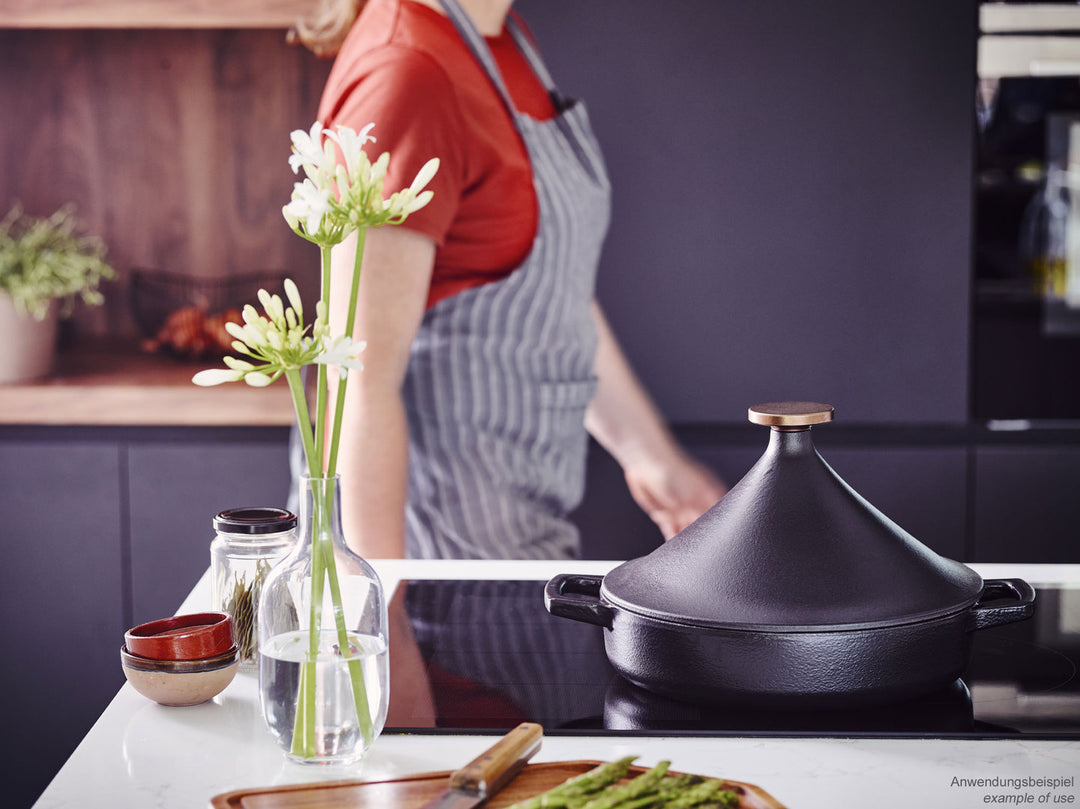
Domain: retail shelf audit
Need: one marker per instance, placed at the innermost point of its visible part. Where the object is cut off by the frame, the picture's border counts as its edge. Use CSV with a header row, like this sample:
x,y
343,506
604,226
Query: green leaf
x,y
47,259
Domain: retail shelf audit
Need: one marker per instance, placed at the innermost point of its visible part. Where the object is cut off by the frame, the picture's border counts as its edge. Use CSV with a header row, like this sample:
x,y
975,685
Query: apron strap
x,y
525,45
475,41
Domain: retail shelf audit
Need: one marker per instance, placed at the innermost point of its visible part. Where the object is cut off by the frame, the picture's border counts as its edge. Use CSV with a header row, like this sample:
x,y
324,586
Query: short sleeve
x,y
411,102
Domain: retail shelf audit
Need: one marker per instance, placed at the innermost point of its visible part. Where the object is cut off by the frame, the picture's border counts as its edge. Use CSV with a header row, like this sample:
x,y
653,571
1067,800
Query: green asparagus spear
x,y
599,788
642,785
724,799
588,782
710,790
666,790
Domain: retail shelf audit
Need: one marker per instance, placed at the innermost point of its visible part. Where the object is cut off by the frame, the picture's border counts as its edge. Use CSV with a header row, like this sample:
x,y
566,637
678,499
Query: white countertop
x,y
140,754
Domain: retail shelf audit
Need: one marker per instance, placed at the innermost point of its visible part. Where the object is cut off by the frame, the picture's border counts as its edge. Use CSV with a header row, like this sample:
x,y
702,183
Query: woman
x,y
487,356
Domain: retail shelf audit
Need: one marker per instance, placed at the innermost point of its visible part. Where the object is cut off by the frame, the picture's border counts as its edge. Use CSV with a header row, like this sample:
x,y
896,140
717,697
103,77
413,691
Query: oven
x,y
1026,334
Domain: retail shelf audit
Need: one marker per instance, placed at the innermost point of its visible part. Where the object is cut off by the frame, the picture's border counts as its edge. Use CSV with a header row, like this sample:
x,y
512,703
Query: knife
x,y
491,770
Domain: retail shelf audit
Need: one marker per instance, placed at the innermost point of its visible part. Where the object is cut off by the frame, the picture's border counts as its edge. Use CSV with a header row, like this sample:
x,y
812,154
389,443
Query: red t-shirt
x,y
404,67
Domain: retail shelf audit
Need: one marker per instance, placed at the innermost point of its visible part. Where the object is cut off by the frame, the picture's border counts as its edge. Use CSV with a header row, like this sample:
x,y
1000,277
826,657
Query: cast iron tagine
x,y
791,592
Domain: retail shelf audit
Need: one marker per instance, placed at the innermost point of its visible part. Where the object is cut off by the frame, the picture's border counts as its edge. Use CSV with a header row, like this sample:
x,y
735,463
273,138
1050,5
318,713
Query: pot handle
x,y
577,597
1018,590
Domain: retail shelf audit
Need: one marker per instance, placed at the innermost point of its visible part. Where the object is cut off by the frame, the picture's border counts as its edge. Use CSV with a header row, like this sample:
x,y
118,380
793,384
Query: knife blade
x,y
491,770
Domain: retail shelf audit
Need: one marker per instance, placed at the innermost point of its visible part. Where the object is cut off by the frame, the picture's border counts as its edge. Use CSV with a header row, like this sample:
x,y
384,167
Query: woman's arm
x,y
374,452
670,486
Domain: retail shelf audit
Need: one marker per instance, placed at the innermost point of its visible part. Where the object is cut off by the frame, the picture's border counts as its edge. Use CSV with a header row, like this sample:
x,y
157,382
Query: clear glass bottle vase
x,y
1046,236
323,664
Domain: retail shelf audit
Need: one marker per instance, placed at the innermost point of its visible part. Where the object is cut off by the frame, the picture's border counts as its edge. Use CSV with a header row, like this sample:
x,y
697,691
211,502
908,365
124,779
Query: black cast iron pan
x,y
792,591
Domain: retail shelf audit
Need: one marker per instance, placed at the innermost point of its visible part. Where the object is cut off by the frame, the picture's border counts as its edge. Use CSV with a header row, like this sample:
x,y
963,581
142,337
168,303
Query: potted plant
x,y
45,264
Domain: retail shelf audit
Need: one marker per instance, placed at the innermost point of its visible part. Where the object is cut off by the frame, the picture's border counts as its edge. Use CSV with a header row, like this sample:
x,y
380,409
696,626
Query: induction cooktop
x,y
485,655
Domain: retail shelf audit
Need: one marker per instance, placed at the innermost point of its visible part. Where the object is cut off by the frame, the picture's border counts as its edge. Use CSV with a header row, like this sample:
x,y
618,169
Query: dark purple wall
x,y
792,207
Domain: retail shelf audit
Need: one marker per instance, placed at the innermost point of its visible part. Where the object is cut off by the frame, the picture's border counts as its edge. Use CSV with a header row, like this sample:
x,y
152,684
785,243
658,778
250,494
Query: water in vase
x,y
338,736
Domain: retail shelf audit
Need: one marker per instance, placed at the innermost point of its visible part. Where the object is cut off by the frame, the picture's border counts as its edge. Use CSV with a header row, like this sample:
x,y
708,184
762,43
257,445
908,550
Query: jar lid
x,y
264,520
792,547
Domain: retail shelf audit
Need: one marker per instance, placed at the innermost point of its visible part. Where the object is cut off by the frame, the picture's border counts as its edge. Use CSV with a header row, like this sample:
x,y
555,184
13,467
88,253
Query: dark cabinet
x,y
176,487
924,489
62,592
105,528
1025,503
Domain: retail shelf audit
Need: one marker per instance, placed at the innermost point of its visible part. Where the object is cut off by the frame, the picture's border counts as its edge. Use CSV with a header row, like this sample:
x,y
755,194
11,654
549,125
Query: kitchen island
x,y
140,754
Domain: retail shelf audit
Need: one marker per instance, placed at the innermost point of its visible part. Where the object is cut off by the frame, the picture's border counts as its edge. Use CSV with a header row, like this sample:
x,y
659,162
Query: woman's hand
x,y
676,493
669,485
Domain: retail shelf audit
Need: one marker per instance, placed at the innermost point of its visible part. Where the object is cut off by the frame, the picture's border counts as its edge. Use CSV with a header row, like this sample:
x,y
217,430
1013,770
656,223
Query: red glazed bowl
x,y
182,637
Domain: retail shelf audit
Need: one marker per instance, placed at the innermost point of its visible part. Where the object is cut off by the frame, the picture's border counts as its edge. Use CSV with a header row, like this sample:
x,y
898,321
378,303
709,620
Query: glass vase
x,y
323,664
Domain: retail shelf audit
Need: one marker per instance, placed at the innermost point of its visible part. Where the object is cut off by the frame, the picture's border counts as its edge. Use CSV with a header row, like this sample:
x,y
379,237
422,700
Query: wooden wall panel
x,y
152,13
172,143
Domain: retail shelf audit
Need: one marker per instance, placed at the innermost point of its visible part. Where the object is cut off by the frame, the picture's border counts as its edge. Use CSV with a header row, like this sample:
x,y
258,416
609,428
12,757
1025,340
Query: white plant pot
x,y
27,346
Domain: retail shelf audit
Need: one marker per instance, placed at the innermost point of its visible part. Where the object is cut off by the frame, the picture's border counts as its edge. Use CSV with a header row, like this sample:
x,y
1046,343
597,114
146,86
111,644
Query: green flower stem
x,y
320,387
325,567
323,571
350,318
303,741
355,672
303,419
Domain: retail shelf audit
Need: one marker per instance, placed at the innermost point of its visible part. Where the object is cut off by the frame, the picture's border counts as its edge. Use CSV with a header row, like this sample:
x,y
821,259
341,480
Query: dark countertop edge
x,y
164,433
693,434
1011,431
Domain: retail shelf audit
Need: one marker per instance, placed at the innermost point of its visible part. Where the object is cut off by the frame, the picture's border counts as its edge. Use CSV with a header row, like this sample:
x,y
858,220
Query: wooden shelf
x,y
117,385
152,13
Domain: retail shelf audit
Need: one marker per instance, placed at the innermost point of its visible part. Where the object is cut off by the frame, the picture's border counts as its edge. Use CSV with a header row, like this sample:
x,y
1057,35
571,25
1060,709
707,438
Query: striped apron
x,y
500,374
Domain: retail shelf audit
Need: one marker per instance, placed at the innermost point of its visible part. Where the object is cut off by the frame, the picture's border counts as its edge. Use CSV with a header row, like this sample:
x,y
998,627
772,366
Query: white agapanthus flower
x,y
351,144
309,204
310,153
413,198
216,376
341,195
342,353
277,341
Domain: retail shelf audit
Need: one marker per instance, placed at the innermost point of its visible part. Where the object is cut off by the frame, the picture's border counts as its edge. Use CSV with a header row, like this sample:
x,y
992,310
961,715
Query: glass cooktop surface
x,y
486,655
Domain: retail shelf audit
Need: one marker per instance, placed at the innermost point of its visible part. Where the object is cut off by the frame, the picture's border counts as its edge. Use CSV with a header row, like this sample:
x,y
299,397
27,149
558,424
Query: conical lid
x,y
792,547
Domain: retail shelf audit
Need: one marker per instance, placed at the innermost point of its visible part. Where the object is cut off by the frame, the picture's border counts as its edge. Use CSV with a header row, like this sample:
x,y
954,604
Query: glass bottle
x,y
323,662
248,543
1044,234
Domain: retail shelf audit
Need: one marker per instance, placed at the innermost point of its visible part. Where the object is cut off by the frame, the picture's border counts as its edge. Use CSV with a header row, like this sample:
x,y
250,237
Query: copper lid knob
x,y
788,415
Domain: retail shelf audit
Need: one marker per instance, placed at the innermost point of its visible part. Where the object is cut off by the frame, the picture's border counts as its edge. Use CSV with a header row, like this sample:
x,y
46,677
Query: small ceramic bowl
x,y
180,682
182,637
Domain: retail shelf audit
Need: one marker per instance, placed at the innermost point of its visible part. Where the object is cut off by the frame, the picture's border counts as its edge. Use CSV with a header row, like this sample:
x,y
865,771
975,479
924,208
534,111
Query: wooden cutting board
x,y
413,792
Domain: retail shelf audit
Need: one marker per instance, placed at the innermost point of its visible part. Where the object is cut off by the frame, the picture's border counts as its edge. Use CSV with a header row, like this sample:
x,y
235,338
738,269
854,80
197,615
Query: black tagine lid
x,y
792,547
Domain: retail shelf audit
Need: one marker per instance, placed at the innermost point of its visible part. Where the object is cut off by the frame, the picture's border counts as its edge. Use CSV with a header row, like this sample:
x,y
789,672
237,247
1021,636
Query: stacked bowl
x,y
181,660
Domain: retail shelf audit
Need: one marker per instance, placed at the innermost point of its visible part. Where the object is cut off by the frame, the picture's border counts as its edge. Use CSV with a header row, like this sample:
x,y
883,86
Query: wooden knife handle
x,y
493,769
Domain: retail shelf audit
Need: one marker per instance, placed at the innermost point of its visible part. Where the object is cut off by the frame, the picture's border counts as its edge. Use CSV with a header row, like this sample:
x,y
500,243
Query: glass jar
x,y
249,542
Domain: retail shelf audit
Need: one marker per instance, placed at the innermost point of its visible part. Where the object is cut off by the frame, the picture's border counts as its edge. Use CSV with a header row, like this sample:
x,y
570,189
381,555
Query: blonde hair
x,y
323,31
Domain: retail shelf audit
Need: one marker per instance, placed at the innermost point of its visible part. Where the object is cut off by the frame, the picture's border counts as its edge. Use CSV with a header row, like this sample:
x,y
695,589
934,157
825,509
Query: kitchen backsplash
x,y
171,143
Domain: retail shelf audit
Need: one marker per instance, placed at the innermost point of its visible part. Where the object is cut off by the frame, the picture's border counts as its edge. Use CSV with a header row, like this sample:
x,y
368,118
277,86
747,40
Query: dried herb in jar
x,y
243,605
